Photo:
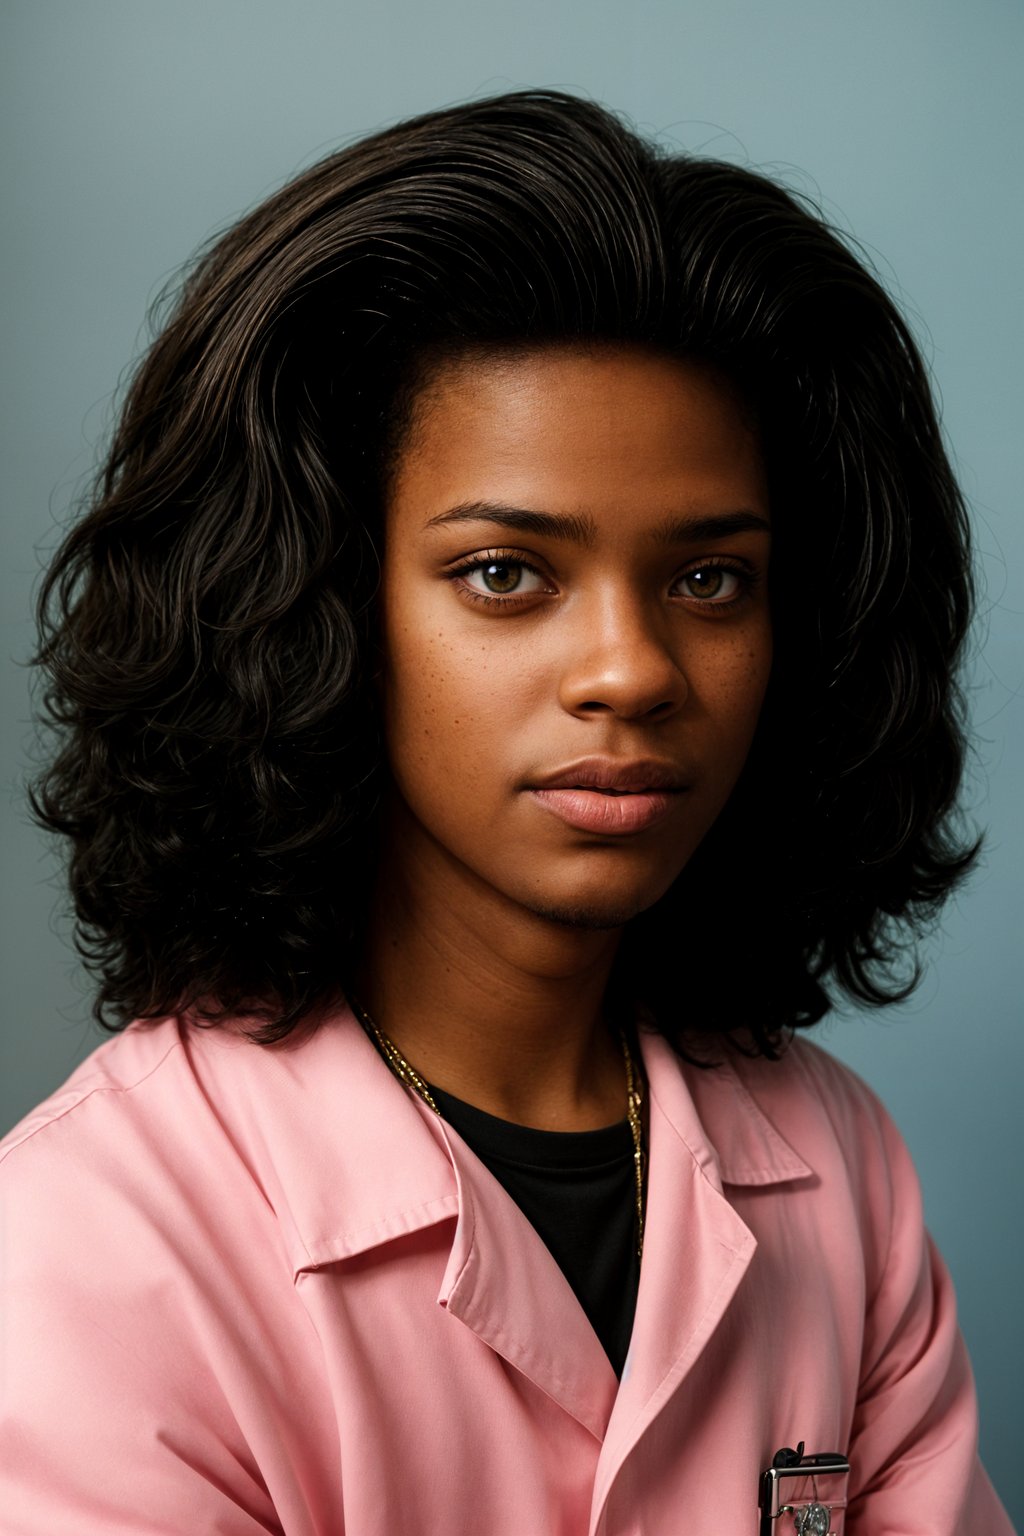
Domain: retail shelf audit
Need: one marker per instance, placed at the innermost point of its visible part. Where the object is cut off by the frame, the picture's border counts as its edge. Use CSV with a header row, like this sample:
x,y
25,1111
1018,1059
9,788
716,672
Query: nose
x,y
620,660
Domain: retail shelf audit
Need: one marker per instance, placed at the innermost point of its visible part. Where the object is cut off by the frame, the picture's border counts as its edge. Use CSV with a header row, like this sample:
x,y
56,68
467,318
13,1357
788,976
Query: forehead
x,y
603,429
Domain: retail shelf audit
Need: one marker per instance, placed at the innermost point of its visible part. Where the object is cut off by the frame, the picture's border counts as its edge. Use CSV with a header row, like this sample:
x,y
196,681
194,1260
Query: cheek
x,y
448,704
756,669
741,684
419,694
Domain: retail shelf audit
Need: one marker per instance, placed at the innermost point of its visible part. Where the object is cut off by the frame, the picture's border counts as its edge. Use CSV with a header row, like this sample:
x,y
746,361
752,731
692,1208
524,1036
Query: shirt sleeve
x,y
913,1457
110,1419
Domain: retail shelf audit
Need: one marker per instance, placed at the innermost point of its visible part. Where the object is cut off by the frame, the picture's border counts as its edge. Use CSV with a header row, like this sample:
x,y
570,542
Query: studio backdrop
x,y
135,129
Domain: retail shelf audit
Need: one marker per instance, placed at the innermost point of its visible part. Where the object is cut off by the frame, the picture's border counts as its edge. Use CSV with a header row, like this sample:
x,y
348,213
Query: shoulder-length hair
x,y
208,627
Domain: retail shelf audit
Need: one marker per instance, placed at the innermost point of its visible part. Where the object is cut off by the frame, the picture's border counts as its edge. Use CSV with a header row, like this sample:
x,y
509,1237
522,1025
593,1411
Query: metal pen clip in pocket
x,y
804,1495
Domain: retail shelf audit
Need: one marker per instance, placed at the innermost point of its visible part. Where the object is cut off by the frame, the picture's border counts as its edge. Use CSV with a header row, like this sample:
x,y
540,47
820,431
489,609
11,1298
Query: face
x,y
575,624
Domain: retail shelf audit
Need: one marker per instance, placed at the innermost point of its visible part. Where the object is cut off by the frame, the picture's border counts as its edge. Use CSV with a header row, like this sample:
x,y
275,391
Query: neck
x,y
490,1002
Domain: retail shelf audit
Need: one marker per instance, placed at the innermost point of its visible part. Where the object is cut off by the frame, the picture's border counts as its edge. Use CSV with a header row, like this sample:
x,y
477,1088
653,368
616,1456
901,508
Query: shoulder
x,y
132,1142
839,1127
87,1179
147,1293
126,1191
203,1137
818,1098
102,1098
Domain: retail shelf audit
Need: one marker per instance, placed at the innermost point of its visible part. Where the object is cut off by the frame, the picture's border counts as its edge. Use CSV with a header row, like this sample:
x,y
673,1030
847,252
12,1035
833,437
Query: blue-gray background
x,y
133,130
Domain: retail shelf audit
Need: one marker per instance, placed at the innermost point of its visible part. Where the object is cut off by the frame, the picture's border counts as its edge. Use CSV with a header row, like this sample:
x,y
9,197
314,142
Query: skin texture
x,y
494,924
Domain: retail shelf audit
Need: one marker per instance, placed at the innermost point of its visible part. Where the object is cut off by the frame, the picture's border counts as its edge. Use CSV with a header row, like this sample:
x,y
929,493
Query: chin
x,y
595,903
591,914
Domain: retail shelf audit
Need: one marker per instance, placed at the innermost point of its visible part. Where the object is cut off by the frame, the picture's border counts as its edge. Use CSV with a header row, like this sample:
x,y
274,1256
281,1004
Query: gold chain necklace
x,y
634,1100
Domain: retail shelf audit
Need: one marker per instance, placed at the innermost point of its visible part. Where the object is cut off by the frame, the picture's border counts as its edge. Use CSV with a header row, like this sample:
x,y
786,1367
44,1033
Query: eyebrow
x,y
577,528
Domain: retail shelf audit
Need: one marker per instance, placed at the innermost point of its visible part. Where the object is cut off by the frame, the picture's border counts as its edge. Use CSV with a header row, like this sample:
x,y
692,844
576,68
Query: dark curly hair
x,y
208,627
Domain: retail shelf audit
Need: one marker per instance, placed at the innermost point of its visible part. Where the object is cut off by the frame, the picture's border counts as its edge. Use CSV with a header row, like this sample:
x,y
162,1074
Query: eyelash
x,y
746,578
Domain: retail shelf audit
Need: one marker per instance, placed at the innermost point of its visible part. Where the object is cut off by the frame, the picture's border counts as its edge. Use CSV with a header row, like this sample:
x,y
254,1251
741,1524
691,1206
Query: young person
x,y
504,688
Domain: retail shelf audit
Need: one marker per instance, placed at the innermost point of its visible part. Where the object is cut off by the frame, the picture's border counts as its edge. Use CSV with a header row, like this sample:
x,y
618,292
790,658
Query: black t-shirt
x,y
578,1190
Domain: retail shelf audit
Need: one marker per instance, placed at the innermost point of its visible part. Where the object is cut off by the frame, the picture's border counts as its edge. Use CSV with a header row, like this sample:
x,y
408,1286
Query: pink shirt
x,y
252,1289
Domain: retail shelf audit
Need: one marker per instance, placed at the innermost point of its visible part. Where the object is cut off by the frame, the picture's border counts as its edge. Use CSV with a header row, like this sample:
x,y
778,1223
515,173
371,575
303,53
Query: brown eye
x,y
498,578
501,576
712,581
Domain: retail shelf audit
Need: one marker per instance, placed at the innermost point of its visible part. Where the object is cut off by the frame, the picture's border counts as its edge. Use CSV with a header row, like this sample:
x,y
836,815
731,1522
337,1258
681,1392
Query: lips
x,y
610,796
615,776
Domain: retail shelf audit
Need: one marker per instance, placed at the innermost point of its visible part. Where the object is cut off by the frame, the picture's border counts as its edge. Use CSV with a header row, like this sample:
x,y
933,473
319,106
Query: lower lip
x,y
589,810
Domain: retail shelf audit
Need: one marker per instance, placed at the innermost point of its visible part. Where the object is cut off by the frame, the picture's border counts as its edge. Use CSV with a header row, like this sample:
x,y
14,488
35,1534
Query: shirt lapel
x,y
696,1248
350,1159
503,1283
334,1140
